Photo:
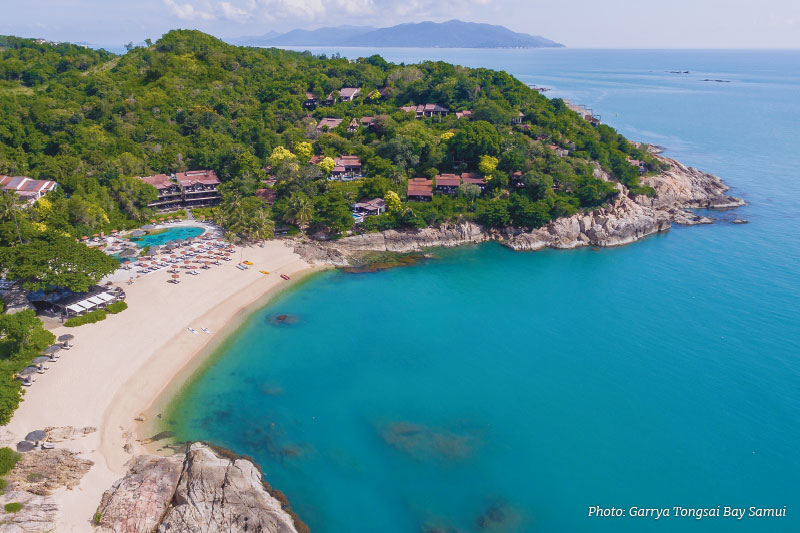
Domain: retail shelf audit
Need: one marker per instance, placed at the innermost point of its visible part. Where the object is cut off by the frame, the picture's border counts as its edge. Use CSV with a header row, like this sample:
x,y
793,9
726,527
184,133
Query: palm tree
x,y
8,210
261,226
299,211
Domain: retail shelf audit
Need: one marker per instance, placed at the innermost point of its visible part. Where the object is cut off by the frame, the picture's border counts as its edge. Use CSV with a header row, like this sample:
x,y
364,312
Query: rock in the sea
x,y
200,492
739,221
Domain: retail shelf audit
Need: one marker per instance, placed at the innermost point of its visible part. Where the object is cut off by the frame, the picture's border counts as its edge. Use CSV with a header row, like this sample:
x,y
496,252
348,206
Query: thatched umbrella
x,y
28,370
42,359
25,446
36,436
65,338
53,348
138,233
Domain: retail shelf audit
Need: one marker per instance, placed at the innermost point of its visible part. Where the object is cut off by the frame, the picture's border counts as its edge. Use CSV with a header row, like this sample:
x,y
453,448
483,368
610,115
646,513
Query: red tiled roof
x,y
159,181
267,194
192,177
348,161
448,180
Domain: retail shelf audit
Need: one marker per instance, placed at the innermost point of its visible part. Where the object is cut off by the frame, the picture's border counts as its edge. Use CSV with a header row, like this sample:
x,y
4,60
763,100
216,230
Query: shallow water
x,y
489,390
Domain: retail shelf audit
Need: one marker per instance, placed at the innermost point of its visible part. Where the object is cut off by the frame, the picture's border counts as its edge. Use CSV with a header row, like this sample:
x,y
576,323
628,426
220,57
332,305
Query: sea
x,y
486,390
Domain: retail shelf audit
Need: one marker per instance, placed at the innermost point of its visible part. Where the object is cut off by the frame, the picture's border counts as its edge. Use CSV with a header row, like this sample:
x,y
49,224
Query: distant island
x,y
450,34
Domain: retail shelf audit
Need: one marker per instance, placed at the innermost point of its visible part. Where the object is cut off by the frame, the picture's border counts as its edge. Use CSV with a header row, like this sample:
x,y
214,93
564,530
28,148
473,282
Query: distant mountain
x,y
451,34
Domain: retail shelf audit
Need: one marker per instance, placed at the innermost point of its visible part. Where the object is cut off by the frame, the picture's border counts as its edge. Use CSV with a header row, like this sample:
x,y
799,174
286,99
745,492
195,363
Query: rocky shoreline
x,y
628,219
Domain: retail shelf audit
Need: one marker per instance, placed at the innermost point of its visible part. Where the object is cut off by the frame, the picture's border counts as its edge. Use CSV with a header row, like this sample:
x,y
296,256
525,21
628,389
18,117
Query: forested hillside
x,y
92,121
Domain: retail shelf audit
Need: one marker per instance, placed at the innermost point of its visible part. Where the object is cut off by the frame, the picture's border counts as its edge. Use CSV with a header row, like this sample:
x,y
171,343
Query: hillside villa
x,y
426,110
347,167
420,189
26,189
194,188
328,123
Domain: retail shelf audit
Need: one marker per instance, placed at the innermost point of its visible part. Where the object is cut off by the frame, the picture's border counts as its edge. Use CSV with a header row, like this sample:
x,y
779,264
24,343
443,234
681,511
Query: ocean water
x,y
489,390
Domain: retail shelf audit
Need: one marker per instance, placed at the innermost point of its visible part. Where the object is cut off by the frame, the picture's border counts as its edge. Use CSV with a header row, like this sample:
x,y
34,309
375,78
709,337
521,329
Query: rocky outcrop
x,y
682,187
625,221
38,513
201,491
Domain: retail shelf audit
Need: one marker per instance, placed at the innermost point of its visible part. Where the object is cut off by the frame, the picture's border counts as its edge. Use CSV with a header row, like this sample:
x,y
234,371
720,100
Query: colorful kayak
x,y
284,276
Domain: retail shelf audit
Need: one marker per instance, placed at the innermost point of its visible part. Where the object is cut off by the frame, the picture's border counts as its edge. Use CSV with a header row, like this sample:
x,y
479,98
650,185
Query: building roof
x,y
348,161
425,108
25,186
448,180
310,96
366,121
316,159
159,181
420,187
349,92
464,114
329,122
371,204
194,177
268,195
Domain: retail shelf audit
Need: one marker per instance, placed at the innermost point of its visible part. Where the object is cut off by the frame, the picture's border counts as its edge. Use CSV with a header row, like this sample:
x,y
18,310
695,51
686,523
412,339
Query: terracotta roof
x,y
448,180
159,181
25,186
366,121
193,177
316,159
420,187
466,113
267,194
348,161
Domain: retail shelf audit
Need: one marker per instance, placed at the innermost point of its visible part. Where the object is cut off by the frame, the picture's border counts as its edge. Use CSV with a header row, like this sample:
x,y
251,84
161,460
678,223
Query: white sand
x,y
120,366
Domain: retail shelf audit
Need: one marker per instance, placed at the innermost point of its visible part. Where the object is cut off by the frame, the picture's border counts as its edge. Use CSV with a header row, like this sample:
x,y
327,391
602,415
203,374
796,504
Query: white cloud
x,y
232,12
187,11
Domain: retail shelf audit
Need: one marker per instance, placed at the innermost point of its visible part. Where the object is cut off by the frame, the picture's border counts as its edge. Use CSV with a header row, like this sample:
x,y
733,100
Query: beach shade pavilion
x,y
36,436
65,338
53,348
42,359
25,446
129,252
138,233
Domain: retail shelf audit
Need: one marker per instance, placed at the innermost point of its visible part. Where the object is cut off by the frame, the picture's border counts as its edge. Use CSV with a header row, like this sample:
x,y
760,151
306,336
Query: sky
x,y
577,24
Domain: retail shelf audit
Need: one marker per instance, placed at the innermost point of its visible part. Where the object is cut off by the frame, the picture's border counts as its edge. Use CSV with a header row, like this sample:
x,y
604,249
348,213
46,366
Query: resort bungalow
x,y
169,192
367,122
311,101
346,94
420,189
369,207
426,110
560,152
447,183
199,187
474,179
327,123
27,189
268,195
516,179
518,118
353,126
347,167
464,114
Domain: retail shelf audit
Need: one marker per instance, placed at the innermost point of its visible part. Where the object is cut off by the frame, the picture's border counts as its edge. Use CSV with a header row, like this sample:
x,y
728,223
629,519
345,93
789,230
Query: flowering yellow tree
x,y
393,203
326,165
280,154
303,150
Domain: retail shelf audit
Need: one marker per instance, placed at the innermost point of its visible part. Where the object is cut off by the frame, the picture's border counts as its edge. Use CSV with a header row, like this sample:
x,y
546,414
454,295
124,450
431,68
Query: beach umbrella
x,y
28,370
175,276
85,238
25,446
35,435
53,348
42,359
66,338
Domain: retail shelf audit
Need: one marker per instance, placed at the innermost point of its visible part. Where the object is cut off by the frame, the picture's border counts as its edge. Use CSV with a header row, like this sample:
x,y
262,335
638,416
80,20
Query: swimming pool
x,y
172,234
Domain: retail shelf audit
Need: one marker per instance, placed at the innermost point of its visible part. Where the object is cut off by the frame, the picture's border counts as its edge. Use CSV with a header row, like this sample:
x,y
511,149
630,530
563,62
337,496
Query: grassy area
x,y
104,67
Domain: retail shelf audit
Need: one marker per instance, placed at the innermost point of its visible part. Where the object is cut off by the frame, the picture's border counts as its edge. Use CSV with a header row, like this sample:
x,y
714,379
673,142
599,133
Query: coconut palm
x,y
8,210
299,211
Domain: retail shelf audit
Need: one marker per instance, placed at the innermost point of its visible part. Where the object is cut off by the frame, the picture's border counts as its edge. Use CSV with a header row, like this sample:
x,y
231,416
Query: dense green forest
x,y
92,121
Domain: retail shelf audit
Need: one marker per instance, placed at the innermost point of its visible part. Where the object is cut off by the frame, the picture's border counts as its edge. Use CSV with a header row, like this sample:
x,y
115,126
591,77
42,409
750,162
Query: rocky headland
x,y
203,490
628,219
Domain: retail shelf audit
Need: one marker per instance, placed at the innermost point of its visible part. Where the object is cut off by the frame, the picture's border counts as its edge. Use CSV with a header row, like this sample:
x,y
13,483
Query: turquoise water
x,y
525,387
172,234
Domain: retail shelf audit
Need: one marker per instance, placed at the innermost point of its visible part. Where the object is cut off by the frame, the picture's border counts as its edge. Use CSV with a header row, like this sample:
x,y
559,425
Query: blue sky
x,y
578,23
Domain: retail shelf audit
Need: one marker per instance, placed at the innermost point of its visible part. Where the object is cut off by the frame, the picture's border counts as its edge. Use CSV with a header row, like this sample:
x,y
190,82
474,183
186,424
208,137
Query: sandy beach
x,y
119,367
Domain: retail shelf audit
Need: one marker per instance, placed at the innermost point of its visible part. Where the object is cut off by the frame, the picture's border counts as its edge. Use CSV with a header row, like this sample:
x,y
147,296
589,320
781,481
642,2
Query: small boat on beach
x,y
247,262
284,276
241,267
264,271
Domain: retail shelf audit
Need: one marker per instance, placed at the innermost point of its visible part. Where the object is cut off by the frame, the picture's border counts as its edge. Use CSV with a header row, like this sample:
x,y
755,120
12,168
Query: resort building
x,y
346,94
353,126
26,189
641,166
474,179
169,192
464,114
328,123
518,118
268,195
199,187
347,167
367,122
420,189
311,101
369,207
447,183
426,110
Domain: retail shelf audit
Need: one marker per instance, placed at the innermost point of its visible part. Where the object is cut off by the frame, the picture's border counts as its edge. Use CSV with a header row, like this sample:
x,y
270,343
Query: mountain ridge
x,y
451,34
